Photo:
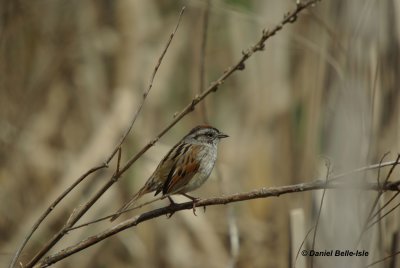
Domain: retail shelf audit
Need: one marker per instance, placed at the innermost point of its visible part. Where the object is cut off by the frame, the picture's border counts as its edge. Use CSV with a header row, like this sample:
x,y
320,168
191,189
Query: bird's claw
x,y
171,205
194,207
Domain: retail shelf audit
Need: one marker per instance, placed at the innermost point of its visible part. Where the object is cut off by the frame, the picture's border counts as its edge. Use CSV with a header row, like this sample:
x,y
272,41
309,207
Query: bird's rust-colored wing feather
x,y
165,169
182,171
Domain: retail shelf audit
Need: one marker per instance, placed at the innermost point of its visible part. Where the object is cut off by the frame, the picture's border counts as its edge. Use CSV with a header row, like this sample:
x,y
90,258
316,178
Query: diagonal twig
x,y
114,214
381,217
302,244
202,52
385,205
384,259
328,166
371,167
379,194
386,180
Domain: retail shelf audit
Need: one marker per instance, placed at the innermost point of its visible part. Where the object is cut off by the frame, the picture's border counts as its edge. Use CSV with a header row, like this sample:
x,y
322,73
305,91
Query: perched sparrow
x,y
185,167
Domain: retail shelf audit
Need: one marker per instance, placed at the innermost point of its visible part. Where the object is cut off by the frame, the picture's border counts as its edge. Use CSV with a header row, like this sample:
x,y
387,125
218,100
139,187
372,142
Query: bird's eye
x,y
209,135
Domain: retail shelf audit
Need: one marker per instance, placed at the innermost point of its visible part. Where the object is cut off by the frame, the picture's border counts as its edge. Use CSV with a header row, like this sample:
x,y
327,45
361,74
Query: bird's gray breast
x,y
208,157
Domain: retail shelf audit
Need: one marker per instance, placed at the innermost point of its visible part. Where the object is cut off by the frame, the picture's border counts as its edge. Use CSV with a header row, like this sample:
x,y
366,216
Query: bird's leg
x,y
172,204
194,199
171,201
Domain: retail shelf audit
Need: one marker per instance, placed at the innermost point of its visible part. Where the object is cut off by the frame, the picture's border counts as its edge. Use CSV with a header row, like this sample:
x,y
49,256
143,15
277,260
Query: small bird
x,y
185,167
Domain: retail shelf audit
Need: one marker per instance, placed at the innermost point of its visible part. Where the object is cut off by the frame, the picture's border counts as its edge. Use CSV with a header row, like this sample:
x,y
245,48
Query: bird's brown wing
x,y
160,175
183,170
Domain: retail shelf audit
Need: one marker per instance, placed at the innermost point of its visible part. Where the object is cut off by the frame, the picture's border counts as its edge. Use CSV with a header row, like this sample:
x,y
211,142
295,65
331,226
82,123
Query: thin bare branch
x,y
302,244
144,96
377,198
379,194
384,215
380,163
328,166
114,214
371,167
392,169
385,205
203,47
119,159
384,259
255,194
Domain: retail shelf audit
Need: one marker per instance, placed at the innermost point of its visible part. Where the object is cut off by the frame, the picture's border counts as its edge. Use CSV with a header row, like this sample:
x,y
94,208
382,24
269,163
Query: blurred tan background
x,y
72,73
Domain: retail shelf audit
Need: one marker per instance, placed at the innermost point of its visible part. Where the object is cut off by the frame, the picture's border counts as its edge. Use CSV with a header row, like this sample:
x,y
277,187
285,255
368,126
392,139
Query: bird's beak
x,y
222,135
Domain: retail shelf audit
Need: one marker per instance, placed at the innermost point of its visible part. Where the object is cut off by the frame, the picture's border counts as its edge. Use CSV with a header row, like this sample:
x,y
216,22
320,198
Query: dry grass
x,y
72,73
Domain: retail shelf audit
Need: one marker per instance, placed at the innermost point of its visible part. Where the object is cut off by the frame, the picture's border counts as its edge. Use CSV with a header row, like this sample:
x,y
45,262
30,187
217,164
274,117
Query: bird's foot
x,y
172,205
194,200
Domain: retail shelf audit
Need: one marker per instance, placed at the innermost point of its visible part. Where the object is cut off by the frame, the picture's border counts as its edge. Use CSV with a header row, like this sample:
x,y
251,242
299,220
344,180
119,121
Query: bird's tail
x,y
129,203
